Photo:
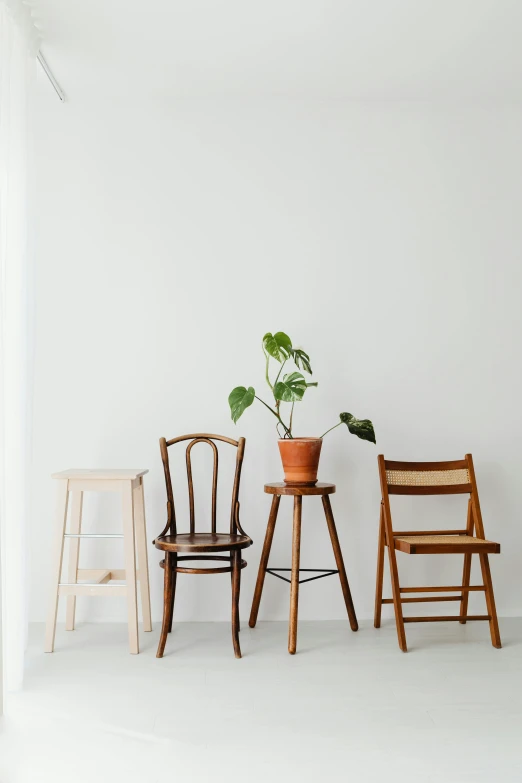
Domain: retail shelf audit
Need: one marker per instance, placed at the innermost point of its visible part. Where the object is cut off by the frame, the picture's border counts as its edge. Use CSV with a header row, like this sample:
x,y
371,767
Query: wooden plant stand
x,y
297,492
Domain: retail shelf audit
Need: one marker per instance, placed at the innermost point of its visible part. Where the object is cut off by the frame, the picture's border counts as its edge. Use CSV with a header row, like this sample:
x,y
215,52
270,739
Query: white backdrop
x,y
384,238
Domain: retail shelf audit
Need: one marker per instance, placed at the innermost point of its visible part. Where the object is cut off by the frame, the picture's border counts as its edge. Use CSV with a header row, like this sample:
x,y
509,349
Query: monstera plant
x,y
299,455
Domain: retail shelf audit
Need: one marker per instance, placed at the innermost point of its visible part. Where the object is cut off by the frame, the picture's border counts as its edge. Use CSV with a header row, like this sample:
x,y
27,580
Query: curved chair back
x,y
201,437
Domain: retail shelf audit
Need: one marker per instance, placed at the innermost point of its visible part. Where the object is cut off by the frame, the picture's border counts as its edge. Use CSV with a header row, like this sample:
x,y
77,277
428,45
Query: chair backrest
x,y
426,478
208,439
431,478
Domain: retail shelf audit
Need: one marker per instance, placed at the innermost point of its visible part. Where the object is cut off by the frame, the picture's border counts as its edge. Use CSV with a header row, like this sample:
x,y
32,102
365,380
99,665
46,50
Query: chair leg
x,y
490,601
167,604
340,563
236,583
263,563
380,573
466,572
396,592
466,575
232,582
174,577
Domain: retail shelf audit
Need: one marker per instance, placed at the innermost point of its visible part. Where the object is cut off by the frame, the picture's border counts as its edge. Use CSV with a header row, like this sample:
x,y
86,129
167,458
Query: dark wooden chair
x,y
201,546
434,478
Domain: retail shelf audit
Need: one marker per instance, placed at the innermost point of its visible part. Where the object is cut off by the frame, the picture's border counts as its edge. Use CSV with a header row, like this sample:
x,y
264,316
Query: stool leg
x,y
74,555
61,521
130,564
340,563
168,603
294,584
263,563
236,584
141,547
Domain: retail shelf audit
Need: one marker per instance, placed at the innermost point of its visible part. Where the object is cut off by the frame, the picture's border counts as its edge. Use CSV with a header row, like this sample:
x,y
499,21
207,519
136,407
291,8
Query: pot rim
x,y
289,440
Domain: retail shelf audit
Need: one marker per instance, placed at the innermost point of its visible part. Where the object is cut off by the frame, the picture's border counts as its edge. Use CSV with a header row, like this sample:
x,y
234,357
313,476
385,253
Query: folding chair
x,y
433,478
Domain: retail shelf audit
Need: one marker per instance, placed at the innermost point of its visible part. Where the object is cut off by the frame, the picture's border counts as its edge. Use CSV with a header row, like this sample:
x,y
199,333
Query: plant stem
x,y
278,417
266,370
291,416
280,371
331,428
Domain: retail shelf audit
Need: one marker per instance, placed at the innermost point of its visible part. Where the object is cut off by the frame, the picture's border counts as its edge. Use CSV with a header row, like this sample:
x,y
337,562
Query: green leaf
x,y
278,345
363,428
239,400
271,347
302,360
291,388
284,343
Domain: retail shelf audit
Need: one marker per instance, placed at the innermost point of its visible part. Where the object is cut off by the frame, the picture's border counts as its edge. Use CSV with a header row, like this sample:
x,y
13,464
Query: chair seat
x,y
426,545
202,542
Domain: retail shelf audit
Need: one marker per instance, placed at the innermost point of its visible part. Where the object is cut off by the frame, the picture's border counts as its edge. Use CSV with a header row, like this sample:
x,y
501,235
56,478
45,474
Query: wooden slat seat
x,y
202,542
430,545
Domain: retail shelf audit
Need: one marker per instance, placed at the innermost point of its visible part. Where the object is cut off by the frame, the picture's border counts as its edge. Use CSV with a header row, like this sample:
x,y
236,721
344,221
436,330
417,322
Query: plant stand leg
x,y
294,584
340,563
264,560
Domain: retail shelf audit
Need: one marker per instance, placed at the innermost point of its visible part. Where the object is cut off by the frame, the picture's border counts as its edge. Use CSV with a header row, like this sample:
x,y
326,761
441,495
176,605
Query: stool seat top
x,y
280,488
117,474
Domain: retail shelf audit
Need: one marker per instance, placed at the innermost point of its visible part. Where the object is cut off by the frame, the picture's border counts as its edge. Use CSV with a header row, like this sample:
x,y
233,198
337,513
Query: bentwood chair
x,y
434,478
201,546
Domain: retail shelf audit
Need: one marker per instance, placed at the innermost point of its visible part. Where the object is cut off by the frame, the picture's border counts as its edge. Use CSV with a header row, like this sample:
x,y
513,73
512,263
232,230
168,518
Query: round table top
x,y
280,488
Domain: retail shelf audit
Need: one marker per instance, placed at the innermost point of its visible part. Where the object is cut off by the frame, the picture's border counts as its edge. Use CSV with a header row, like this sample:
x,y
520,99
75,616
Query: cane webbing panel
x,y
418,545
444,540
427,478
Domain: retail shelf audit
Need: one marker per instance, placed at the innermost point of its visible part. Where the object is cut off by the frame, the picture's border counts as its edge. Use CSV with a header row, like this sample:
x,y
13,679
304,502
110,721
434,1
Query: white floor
x,y
346,707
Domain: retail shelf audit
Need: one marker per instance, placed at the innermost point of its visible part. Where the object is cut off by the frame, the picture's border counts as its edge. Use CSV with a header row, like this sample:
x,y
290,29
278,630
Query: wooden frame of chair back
x,y
201,438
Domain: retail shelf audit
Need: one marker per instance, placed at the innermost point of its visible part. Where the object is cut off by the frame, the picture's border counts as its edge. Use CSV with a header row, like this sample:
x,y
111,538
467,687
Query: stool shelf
x,y
93,535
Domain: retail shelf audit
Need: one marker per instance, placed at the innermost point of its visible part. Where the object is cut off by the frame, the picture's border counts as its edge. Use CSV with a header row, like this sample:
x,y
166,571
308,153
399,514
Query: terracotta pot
x,y
300,457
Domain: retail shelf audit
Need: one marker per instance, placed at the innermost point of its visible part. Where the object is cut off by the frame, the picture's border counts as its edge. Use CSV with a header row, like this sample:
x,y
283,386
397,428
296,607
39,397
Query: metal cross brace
x,y
322,572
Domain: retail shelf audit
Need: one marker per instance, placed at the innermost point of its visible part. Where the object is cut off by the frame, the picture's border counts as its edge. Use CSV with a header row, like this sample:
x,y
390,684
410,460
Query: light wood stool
x,y
130,484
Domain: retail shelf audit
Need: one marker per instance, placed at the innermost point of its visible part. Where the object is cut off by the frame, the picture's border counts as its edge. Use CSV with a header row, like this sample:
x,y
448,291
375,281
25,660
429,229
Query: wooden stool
x,y
130,484
297,492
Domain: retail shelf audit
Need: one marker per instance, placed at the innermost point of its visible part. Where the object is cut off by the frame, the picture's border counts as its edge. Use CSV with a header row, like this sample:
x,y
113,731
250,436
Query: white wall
x,y
384,238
